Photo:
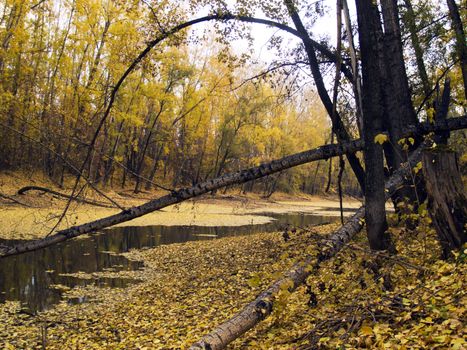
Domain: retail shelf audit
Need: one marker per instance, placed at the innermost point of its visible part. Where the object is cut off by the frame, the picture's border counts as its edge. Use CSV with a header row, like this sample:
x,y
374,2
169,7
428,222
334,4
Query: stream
x,y
36,278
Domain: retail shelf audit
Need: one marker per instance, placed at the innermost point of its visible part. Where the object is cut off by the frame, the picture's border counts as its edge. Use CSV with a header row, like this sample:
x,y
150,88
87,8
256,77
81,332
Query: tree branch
x,y
162,37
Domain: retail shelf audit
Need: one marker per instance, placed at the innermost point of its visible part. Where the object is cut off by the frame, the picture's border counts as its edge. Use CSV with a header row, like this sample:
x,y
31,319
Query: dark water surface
x,y
30,277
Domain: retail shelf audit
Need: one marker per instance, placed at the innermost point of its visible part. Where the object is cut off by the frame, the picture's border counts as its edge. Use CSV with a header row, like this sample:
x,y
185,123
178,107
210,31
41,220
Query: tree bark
x,y
398,109
370,47
447,203
461,46
263,305
400,112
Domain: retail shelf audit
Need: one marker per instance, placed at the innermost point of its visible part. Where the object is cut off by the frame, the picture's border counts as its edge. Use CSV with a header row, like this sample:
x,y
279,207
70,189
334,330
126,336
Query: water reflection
x,y
31,277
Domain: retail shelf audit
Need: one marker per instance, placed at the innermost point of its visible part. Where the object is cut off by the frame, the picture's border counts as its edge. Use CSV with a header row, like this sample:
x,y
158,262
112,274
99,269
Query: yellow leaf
x,y
366,330
458,343
417,167
427,320
381,138
254,281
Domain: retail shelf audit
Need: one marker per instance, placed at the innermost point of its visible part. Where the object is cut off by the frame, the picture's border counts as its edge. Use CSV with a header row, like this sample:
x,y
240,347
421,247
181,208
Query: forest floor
x,y
411,300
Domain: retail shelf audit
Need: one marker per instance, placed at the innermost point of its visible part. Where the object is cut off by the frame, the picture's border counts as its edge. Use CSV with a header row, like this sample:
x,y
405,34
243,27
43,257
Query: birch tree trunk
x,y
181,195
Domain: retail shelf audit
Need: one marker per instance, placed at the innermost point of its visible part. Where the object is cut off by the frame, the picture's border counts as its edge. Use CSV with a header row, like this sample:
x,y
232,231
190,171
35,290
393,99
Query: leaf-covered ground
x,y
358,300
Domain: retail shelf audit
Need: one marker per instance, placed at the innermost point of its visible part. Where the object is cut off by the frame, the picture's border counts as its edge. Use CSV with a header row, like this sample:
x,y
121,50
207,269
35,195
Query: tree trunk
x,y
356,84
410,22
155,164
108,167
239,177
263,305
312,187
181,195
370,44
447,202
328,185
461,46
398,111
144,148
336,120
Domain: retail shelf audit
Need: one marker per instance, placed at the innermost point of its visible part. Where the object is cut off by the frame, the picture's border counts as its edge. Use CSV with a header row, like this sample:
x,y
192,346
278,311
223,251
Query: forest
x,y
209,174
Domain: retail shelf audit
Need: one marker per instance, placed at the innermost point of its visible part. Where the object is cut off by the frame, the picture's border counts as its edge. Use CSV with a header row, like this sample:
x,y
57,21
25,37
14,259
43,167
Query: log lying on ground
x,y
25,189
262,306
323,152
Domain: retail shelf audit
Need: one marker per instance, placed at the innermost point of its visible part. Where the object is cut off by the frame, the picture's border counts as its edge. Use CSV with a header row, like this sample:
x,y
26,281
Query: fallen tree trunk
x,y
263,305
25,189
323,152
181,195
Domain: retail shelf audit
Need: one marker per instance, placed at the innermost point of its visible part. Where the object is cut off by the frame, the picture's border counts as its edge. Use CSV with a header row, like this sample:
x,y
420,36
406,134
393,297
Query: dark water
x,y
30,277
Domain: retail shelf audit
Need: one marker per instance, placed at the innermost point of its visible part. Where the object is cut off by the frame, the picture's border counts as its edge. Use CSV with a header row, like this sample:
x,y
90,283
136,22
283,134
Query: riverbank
x,y
40,211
